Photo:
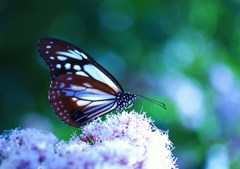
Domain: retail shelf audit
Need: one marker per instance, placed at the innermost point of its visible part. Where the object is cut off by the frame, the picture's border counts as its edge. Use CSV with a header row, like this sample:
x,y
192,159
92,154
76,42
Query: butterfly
x,y
81,90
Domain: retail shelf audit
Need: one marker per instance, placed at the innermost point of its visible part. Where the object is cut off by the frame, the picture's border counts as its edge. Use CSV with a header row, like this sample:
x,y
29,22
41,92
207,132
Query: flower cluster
x,y
123,140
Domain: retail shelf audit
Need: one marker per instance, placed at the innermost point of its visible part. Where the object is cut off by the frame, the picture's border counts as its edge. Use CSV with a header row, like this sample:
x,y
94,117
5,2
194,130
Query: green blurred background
x,y
186,54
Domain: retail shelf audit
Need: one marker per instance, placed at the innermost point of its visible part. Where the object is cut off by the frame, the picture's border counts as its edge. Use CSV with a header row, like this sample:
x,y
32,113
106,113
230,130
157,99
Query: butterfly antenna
x,y
161,104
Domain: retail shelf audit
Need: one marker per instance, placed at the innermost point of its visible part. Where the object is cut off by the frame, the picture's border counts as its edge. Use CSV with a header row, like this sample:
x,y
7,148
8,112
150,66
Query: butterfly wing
x,y
78,99
65,58
81,89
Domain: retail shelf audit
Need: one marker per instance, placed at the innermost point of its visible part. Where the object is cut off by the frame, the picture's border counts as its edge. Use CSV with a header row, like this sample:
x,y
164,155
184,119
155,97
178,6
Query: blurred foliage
x,y
184,53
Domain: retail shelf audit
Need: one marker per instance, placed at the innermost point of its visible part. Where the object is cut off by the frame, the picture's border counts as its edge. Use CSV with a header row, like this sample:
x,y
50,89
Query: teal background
x,y
183,53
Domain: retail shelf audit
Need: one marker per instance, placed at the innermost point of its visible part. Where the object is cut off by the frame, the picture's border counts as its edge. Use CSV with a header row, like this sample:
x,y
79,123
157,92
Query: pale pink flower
x,y
123,140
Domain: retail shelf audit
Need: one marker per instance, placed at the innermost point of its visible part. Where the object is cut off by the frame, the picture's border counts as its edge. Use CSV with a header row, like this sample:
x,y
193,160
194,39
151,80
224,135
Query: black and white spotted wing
x,y
81,89
65,58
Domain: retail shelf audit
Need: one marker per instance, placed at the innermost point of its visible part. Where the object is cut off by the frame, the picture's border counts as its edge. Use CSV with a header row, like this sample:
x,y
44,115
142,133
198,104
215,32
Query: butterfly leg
x,y
141,110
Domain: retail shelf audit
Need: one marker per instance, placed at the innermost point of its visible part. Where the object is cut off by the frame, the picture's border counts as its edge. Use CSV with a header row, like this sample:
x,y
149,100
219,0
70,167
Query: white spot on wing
x,y
82,102
98,103
77,51
74,99
81,73
58,66
62,85
51,57
87,85
77,88
67,66
76,67
83,55
61,58
94,94
99,75
48,46
71,54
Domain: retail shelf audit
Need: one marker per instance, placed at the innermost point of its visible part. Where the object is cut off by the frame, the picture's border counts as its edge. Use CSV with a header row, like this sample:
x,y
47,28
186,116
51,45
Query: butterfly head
x,y
125,100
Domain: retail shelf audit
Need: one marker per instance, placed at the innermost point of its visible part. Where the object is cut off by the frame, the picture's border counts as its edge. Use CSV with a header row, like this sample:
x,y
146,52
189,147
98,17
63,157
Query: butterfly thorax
x,y
125,100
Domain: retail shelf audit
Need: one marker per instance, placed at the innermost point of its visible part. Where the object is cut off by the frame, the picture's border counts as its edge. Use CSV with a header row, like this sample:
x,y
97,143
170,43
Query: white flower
x,y
123,140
